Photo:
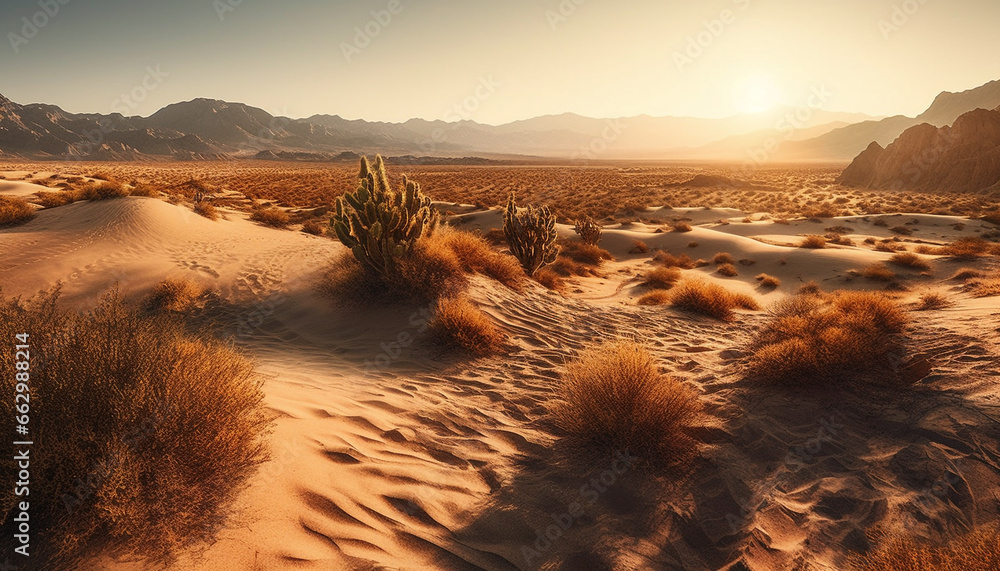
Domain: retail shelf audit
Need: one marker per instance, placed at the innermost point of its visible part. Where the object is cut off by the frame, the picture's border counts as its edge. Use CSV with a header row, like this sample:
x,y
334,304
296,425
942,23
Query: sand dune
x,y
388,454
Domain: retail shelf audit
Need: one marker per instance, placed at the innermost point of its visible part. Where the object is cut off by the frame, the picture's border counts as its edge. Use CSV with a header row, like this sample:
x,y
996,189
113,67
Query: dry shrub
x,y
977,550
668,260
992,217
104,191
933,300
272,216
966,274
567,267
768,281
984,287
655,297
692,244
476,255
430,271
661,278
639,247
143,431
878,272
460,325
727,270
206,209
710,299
550,280
889,246
584,253
815,242
681,227
615,397
910,260
314,227
904,230
723,258
57,198
968,248
177,295
812,341
144,190
14,211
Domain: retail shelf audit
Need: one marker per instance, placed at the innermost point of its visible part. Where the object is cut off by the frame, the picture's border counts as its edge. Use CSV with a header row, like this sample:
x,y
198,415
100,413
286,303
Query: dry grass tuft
x,y
811,341
177,295
144,432
768,281
966,274
878,272
550,280
14,211
476,255
314,227
681,227
668,260
655,297
933,300
273,217
984,287
584,253
810,288
710,299
727,270
723,258
968,248
460,325
815,242
910,260
661,278
104,191
616,397
57,198
978,550
639,247
206,209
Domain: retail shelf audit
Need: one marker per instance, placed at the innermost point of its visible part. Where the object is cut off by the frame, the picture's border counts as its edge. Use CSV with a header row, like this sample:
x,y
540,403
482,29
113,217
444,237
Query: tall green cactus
x,y
531,235
381,226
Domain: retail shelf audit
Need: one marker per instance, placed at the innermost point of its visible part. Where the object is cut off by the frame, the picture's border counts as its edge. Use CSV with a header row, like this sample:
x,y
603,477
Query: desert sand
x,y
388,454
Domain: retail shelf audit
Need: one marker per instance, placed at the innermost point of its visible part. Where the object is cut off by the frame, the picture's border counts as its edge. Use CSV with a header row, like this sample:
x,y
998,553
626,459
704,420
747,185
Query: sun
x,y
755,95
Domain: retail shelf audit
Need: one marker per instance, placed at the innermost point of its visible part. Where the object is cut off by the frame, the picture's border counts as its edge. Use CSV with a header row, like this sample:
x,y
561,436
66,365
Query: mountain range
x,y
206,129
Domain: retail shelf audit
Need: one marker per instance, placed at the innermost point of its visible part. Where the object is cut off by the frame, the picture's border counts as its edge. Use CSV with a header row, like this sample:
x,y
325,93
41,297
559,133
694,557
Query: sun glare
x,y
755,95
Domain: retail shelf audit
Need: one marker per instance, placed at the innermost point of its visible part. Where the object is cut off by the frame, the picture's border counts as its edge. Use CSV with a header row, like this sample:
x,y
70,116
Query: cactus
x,y
531,235
381,226
588,230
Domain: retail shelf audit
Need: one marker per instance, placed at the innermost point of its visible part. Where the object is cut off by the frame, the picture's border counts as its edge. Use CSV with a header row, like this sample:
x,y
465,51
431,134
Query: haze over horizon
x,y
496,63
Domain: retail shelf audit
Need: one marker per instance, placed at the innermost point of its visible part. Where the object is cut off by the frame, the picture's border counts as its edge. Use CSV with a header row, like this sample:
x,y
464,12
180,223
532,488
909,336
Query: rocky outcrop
x,y
964,157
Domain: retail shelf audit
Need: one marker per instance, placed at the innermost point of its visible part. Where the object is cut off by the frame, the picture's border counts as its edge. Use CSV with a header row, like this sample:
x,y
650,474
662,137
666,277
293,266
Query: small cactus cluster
x,y
531,235
588,230
381,226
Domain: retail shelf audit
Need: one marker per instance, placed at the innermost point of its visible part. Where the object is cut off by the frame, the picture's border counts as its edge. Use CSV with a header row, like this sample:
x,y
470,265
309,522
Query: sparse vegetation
x,y
103,191
639,247
878,272
615,397
767,281
14,211
933,300
978,550
708,299
655,297
206,209
271,216
588,230
814,242
723,258
531,235
661,278
176,295
146,430
668,260
727,270
814,341
460,325
910,260
681,227
314,227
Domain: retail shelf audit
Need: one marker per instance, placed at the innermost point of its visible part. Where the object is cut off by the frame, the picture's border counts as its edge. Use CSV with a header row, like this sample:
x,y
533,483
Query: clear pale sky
x,y
604,59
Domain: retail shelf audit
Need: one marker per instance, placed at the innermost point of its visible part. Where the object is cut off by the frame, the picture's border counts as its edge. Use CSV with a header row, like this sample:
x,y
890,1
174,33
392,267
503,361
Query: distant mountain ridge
x,y
208,129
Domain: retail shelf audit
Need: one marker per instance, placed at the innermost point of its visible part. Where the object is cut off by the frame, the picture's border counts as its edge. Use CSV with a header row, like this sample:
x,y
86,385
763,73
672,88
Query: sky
x,y
495,62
